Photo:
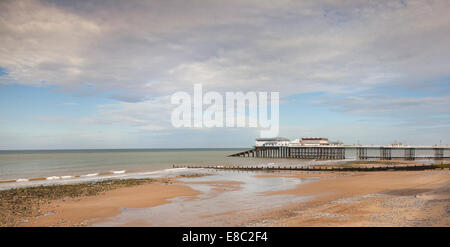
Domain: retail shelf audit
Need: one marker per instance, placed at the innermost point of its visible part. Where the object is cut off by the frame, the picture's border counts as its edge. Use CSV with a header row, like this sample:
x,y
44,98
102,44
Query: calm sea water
x,y
31,164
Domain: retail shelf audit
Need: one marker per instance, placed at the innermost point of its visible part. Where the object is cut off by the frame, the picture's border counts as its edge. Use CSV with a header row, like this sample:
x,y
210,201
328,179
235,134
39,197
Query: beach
x,y
224,198
416,198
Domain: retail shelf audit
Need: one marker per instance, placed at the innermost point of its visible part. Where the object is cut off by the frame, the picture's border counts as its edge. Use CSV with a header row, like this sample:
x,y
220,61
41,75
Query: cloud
x,y
146,49
140,52
146,115
370,105
391,108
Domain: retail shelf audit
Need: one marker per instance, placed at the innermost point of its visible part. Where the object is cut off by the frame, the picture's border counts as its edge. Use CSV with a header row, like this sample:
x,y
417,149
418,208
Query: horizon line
x,y
93,149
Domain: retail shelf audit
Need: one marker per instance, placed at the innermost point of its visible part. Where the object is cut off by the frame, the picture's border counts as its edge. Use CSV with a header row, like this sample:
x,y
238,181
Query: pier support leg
x,y
385,153
361,153
410,154
438,153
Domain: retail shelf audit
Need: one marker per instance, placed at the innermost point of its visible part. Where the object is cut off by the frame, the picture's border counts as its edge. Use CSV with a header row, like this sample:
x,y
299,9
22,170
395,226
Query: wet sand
x,y
392,198
87,210
412,198
225,199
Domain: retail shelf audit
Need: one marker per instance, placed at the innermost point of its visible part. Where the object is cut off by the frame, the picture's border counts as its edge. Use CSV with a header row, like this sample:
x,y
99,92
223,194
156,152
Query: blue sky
x,y
91,75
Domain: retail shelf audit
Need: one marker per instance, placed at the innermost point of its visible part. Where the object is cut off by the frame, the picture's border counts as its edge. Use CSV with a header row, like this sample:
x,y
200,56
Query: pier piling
x,y
339,152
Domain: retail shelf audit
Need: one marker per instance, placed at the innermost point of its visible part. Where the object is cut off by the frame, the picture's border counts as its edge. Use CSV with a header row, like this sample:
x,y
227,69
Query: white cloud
x,y
142,51
146,115
149,48
43,43
370,105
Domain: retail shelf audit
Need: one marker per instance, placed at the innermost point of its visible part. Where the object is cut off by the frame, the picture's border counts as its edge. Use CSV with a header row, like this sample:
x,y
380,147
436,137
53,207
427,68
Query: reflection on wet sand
x,y
226,199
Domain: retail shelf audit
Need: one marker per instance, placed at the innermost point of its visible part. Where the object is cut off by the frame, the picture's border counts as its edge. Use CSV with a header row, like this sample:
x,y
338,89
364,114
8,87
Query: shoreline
x,y
391,198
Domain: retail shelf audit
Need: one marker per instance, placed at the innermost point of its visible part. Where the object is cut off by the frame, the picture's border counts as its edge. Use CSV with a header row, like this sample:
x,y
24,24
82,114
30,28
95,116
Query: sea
x,y
36,167
22,168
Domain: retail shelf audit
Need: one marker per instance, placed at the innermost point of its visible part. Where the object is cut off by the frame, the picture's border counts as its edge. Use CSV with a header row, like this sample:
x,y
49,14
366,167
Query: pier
x,y
331,152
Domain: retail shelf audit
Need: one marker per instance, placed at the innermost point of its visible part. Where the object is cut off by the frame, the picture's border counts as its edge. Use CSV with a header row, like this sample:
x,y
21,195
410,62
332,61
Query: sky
x,y
100,74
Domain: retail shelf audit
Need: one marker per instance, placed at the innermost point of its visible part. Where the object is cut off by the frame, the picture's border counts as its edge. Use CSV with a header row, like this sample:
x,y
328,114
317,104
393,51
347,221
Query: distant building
x,y
272,142
295,143
284,142
314,141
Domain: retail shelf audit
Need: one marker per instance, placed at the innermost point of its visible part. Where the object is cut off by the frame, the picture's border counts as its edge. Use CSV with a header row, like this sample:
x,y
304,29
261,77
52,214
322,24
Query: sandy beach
x,y
417,198
77,211
394,198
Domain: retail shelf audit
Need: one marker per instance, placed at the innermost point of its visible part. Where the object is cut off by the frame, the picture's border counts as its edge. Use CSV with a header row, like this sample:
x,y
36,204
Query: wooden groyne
x,y
317,168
